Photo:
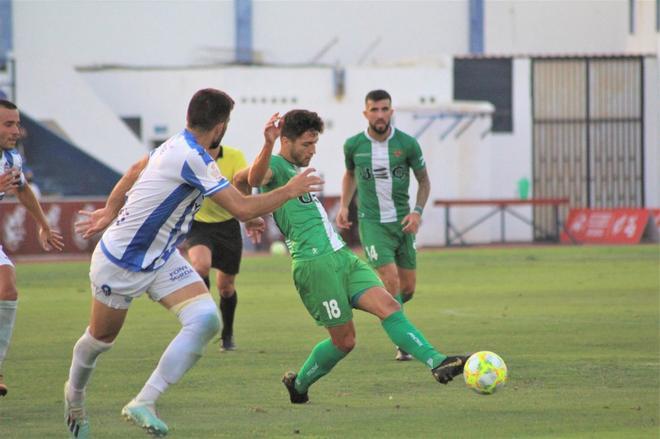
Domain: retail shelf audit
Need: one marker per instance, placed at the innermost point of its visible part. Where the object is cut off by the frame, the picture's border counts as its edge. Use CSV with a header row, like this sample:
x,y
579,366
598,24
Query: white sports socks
x,y
200,322
85,353
7,320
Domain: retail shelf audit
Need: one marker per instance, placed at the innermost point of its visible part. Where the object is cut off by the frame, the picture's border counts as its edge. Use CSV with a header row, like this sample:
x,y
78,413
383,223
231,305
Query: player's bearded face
x,y
216,143
10,128
304,148
379,115
380,128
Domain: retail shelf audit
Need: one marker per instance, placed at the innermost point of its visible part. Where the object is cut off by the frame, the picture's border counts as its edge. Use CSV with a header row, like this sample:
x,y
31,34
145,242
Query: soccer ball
x,y
485,372
278,248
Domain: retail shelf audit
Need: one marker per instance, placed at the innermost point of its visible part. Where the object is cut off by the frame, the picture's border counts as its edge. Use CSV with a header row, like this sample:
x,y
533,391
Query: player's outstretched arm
x,y
245,208
48,238
347,191
240,181
260,166
254,227
96,221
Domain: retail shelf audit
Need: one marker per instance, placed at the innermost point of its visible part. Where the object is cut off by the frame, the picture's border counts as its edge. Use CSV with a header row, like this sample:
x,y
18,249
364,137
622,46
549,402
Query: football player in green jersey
x,y
330,279
378,163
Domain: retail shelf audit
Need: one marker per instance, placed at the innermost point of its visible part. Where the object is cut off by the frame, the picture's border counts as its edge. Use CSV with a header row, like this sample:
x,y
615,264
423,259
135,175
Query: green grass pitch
x,y
578,327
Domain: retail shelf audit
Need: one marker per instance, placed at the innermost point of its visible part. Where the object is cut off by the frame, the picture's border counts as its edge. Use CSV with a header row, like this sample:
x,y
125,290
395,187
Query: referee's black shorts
x,y
223,239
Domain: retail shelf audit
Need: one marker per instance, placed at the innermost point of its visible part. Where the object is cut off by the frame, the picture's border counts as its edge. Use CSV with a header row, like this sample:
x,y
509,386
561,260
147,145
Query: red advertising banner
x,y
19,233
605,226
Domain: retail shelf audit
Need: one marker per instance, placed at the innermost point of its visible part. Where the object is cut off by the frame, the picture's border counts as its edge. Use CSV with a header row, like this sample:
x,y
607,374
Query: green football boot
x,y
144,415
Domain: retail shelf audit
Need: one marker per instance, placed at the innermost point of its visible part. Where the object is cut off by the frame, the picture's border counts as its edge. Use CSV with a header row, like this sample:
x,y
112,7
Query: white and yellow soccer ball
x,y
278,248
485,372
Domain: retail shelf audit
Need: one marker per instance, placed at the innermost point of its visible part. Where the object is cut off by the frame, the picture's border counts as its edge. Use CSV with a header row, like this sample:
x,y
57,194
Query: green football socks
x,y
323,358
409,339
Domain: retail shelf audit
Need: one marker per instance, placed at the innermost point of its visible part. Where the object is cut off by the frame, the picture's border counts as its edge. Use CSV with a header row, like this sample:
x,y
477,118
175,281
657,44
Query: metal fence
x,y
588,124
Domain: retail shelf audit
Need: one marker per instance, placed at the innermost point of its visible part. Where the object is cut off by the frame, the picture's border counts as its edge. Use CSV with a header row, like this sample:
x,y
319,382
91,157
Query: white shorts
x,y
117,287
4,260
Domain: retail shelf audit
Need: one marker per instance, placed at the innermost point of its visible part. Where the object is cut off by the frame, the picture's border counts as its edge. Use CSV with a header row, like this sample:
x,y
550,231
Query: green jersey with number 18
x,y
382,173
303,221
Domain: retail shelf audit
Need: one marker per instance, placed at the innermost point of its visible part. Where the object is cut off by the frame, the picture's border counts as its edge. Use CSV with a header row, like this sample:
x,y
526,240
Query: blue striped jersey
x,y
161,204
12,159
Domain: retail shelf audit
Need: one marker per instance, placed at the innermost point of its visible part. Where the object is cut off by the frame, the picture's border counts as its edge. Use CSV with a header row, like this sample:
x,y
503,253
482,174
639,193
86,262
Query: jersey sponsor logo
x,y
381,173
104,289
213,171
399,172
180,272
366,173
397,153
306,198
121,217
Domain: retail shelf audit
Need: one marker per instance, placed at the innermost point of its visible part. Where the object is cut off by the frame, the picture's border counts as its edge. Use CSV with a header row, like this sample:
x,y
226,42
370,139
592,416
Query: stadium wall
x,y
103,61
260,92
475,164
145,33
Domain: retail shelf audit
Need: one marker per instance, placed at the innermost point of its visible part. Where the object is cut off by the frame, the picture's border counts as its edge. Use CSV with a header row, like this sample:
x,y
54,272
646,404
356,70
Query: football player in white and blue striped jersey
x,y
11,161
12,178
148,213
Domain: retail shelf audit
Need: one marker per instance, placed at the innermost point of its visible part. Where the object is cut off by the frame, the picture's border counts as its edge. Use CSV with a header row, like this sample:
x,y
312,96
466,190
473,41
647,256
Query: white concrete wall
x,y
138,32
645,38
365,31
178,33
472,167
556,26
161,98
459,163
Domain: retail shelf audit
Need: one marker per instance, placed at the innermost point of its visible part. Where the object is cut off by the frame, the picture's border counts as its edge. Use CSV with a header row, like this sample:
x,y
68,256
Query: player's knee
x,y
89,347
201,264
209,322
346,343
390,307
392,285
227,289
8,292
201,317
201,268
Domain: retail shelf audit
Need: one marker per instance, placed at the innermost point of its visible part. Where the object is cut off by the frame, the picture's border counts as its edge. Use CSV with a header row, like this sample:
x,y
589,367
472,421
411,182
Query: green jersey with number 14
x,y
303,221
382,173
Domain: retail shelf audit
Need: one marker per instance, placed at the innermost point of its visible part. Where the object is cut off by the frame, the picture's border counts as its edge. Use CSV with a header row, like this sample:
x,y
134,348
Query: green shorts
x,y
330,285
384,243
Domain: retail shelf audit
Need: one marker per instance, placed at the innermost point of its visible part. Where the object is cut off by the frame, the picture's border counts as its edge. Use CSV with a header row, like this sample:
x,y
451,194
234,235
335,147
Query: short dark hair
x,y
377,95
298,122
8,105
208,107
